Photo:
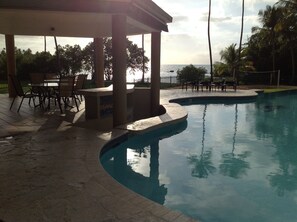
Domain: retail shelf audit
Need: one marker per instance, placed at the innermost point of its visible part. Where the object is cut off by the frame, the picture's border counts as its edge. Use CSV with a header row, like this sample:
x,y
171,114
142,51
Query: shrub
x,y
191,73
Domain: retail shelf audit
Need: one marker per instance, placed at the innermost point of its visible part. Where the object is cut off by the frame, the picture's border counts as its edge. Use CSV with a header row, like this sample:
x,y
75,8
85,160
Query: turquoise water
x,y
228,162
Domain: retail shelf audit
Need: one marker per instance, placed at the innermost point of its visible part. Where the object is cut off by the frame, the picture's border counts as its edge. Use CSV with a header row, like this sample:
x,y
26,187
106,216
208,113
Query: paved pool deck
x,y
50,169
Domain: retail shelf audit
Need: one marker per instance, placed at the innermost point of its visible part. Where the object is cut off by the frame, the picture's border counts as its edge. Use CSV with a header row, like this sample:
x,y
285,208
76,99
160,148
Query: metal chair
x,y
19,92
37,80
66,91
79,84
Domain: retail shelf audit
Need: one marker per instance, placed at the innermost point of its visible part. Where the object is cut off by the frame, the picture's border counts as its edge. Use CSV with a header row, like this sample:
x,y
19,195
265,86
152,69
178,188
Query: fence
x,y
168,80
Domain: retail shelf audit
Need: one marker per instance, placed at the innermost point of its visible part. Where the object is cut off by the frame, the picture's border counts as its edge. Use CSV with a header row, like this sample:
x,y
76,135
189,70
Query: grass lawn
x,y
4,87
273,90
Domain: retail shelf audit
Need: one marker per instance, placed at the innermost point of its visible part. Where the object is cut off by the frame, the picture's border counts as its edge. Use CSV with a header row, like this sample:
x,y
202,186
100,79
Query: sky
x,y
187,41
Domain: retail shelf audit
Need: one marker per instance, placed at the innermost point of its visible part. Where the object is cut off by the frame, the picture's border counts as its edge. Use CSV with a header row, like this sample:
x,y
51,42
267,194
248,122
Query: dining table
x,y
46,90
50,89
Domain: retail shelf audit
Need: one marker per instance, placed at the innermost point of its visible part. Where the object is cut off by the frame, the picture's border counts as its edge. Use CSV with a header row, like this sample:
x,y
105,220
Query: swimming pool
x,y
228,162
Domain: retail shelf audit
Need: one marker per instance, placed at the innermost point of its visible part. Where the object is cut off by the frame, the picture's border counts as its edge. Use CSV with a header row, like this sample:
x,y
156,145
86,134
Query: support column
x,y
11,64
99,62
155,72
119,66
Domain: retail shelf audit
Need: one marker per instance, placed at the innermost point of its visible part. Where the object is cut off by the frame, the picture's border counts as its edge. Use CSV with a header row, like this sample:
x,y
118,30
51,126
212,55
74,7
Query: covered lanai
x,y
95,19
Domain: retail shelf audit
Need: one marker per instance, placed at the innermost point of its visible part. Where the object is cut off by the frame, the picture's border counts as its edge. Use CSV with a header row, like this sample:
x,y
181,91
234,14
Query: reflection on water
x,y
229,162
234,165
202,165
122,167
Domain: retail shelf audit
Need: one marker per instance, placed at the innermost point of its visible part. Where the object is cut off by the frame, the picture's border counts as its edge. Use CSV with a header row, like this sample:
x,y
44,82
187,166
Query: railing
x,y
165,80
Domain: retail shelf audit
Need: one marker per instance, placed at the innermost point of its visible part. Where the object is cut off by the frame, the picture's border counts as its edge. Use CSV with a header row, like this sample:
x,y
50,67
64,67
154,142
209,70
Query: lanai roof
x,y
79,18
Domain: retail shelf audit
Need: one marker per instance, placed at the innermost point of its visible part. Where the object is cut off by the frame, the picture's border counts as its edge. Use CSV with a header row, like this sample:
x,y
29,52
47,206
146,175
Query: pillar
x,y
119,65
11,64
99,62
155,72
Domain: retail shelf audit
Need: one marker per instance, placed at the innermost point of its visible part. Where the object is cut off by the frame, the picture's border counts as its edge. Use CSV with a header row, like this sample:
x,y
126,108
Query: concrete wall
x,y
142,103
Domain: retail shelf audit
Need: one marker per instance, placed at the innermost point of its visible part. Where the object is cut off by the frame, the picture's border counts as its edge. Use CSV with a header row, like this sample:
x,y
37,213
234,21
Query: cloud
x,y
204,18
36,43
177,19
187,40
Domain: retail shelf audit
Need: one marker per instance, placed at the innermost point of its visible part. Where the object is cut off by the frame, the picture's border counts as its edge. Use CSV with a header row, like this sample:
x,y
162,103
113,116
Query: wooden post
x,y
11,63
278,78
99,62
155,72
119,69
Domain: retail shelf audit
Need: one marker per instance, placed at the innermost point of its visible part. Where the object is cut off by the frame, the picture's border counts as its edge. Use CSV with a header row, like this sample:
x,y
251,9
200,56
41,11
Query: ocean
x,y
168,70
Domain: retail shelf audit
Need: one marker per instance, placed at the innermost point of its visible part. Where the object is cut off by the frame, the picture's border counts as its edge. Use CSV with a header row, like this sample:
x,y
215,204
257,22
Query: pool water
x,y
228,162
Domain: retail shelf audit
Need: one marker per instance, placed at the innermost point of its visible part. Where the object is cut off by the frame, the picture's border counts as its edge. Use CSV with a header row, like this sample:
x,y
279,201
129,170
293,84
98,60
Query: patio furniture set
x,y
209,86
48,88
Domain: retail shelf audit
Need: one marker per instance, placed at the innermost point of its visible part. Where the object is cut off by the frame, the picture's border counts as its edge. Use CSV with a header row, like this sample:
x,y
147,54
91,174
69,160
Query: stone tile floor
x,y
50,169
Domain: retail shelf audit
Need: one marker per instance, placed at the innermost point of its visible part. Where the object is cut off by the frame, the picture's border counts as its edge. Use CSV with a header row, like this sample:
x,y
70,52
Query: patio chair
x,y
80,80
37,80
65,92
196,85
233,84
19,92
50,76
205,84
221,85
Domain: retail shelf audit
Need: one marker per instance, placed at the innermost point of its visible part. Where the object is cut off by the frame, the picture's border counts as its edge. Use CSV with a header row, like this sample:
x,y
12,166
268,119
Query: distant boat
x,y
171,71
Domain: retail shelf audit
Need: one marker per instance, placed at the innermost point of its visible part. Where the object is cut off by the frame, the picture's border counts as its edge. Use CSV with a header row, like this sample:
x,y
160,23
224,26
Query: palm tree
x,y
289,3
57,54
202,165
143,61
240,41
289,29
270,20
234,165
209,43
229,57
44,43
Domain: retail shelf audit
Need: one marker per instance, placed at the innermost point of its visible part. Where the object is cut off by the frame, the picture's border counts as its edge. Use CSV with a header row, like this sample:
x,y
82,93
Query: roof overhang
x,y
79,18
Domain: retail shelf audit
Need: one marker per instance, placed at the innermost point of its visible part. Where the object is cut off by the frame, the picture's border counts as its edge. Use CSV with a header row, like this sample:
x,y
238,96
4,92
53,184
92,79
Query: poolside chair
x,y
65,92
50,76
19,92
233,84
37,80
79,84
205,84
221,85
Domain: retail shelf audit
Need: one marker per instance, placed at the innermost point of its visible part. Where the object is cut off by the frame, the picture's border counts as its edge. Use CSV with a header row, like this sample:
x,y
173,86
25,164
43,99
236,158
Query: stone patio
x,y
50,168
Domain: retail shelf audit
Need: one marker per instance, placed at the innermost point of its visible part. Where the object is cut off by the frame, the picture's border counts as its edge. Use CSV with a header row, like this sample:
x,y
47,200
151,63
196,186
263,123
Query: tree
x,y
258,50
221,69
276,37
191,73
270,20
230,57
3,66
288,30
88,58
134,57
24,60
44,62
209,42
107,42
71,59
240,41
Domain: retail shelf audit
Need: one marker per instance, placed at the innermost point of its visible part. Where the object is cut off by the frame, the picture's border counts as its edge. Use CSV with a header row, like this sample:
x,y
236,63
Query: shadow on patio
x,y
31,119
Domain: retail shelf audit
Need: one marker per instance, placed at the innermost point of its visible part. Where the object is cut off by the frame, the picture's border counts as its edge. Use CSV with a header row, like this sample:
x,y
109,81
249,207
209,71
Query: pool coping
x,y
174,113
